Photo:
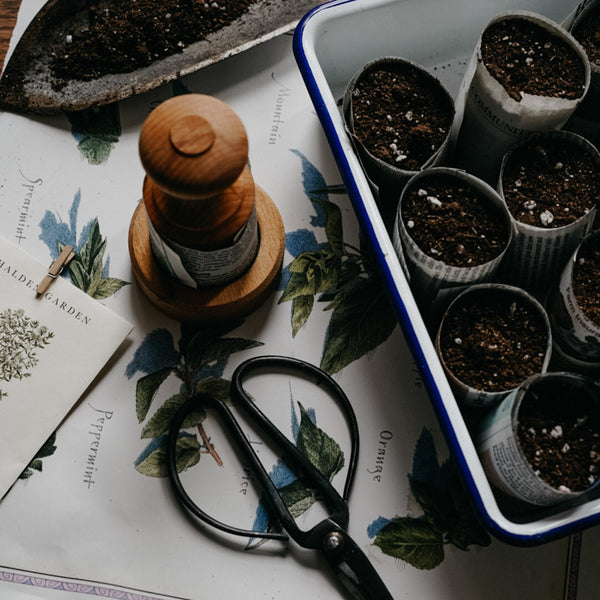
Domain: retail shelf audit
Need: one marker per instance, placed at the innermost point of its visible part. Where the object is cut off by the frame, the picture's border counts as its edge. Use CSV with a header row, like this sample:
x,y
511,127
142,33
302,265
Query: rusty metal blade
x,y
28,85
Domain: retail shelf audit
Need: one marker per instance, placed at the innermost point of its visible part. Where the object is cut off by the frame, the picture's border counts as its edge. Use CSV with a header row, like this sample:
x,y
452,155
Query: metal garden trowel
x,y
30,83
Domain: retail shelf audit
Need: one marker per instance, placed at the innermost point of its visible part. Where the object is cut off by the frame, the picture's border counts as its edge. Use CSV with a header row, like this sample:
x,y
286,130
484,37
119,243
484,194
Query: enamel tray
x,y
331,43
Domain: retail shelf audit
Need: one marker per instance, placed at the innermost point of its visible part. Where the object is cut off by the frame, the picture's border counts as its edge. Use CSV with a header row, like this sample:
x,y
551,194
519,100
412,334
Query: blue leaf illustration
x,y
156,352
55,230
376,526
314,188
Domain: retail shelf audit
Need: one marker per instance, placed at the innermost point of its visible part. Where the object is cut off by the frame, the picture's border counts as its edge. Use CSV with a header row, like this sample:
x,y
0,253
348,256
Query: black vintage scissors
x,y
329,535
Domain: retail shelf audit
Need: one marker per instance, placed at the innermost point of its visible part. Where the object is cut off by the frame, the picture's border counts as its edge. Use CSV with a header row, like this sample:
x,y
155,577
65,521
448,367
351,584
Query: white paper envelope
x,y
52,345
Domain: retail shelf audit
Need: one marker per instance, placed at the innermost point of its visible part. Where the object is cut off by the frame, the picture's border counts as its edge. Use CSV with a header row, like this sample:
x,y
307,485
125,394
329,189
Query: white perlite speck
x,y
434,202
556,431
546,218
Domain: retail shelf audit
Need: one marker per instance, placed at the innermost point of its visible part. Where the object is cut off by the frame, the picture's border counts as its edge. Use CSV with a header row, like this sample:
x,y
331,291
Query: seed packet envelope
x,y
52,346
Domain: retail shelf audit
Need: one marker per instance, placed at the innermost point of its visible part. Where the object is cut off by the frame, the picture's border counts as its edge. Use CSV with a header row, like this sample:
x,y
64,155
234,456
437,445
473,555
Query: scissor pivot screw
x,y
333,541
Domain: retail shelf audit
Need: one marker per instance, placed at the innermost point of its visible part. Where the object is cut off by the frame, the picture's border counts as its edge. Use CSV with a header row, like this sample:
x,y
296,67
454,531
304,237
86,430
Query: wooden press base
x,y
214,304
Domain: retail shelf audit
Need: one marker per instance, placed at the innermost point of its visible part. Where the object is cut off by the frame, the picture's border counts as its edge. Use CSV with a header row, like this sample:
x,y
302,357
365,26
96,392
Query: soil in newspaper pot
x,y
399,116
453,230
551,185
574,309
541,444
492,338
527,74
585,28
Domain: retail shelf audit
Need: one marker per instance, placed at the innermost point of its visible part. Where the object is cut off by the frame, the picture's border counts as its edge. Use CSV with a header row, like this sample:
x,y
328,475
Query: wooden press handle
x,y
193,146
198,191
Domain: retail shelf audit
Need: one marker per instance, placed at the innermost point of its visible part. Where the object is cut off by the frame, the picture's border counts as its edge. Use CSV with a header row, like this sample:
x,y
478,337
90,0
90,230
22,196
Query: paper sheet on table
x,y
51,348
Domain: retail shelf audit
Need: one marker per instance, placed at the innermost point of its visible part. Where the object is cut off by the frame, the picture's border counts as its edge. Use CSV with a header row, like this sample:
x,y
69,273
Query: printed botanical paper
x,y
51,347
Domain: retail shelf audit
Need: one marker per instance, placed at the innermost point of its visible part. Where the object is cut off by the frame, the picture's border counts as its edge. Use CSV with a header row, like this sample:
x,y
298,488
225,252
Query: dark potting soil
x,y
524,57
586,279
493,341
452,222
587,33
550,183
400,115
560,437
124,35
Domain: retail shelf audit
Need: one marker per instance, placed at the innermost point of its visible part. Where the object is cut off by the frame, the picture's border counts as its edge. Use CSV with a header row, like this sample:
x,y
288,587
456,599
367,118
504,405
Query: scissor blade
x,y
352,566
29,84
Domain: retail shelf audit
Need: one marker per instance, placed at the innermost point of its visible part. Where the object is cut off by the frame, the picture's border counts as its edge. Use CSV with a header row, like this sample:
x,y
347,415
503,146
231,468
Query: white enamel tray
x,y
331,44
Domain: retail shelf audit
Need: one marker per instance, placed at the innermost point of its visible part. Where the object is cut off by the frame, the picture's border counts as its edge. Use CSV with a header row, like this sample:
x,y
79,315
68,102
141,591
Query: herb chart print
x,y
334,276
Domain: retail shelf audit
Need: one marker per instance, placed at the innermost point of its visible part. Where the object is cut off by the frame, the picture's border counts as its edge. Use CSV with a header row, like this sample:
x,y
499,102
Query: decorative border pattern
x,y
99,591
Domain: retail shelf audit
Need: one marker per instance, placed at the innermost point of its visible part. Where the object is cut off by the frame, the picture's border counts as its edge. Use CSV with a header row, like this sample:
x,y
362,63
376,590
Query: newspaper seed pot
x,y
453,230
574,308
527,74
551,185
399,115
585,28
541,445
492,338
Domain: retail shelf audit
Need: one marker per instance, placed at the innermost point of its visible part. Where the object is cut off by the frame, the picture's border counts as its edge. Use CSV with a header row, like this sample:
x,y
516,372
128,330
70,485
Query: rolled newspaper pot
x,y
452,229
584,24
491,338
574,308
541,444
527,74
399,117
551,185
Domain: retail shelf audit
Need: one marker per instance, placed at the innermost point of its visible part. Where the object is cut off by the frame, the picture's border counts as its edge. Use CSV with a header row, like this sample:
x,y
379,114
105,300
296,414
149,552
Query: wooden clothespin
x,y
55,269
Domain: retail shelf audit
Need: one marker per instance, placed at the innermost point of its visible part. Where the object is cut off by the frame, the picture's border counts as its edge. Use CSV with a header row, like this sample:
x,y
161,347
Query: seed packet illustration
x,y
54,340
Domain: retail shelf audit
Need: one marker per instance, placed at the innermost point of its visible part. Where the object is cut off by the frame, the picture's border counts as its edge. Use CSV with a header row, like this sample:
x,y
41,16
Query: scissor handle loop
x,y
289,363
335,502
195,402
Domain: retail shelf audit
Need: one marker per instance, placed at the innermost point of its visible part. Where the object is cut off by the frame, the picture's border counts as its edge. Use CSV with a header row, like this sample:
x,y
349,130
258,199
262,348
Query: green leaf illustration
x,y
301,308
297,497
87,267
312,273
215,386
107,286
146,389
362,319
436,503
95,149
412,540
161,420
322,451
448,515
466,529
187,455
99,129
48,449
333,226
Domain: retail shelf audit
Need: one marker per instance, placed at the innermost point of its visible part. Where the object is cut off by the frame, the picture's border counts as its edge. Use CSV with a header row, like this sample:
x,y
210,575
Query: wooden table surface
x,y
8,17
